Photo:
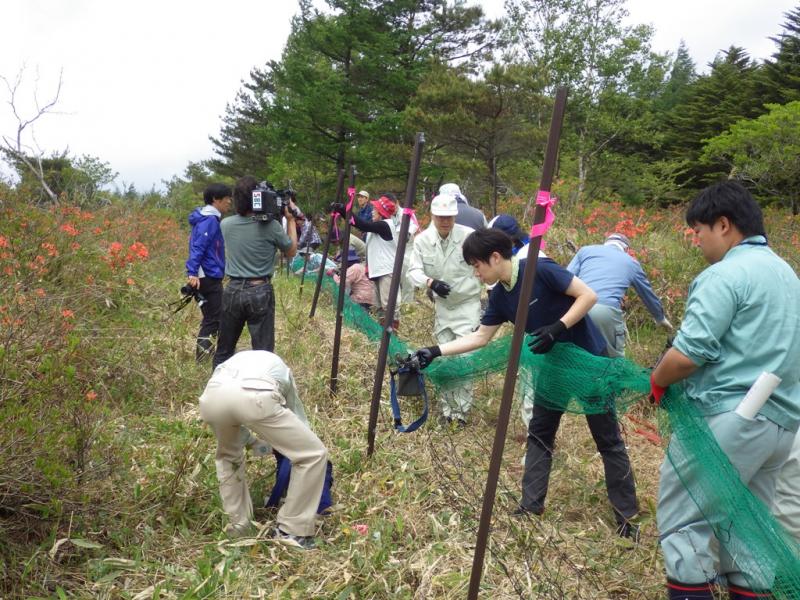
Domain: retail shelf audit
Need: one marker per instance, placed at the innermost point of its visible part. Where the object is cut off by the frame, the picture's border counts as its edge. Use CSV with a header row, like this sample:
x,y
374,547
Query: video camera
x,y
268,203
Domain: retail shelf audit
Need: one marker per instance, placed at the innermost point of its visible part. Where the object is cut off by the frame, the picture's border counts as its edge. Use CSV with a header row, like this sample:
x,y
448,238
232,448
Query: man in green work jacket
x,y
742,318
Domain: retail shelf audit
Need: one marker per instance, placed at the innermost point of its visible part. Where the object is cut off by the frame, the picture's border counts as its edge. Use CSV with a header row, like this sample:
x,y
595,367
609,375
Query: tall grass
x,y
107,481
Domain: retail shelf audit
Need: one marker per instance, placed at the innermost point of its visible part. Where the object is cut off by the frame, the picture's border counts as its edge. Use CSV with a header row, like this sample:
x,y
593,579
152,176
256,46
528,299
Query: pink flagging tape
x,y
410,212
543,198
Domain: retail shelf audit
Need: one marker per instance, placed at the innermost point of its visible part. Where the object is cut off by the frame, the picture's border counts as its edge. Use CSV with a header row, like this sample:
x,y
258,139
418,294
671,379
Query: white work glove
x,y
666,324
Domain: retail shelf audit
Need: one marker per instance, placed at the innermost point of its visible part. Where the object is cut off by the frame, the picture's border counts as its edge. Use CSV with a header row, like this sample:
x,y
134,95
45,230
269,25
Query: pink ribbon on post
x,y
335,222
543,198
351,194
410,212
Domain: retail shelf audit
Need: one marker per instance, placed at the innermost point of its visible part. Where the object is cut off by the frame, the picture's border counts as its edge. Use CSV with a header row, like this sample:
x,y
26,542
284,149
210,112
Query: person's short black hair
x,y
727,199
216,191
243,195
481,243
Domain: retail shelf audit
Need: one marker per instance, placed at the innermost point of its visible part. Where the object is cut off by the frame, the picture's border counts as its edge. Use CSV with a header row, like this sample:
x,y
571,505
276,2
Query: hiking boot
x,y
450,421
235,531
628,530
521,511
303,542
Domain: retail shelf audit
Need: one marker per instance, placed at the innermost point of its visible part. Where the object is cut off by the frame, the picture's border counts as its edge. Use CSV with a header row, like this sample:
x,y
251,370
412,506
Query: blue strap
x,y
398,420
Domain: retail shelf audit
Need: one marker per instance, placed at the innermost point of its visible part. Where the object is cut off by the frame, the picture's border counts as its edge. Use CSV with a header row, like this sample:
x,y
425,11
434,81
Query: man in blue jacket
x,y
206,265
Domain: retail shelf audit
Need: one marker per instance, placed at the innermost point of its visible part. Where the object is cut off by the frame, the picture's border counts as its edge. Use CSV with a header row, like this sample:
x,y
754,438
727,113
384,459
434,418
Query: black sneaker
x,y
628,530
303,542
521,511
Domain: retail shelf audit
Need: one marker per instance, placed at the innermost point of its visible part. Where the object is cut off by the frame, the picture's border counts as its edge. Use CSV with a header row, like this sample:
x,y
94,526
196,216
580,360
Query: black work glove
x,y
339,208
425,356
440,287
543,338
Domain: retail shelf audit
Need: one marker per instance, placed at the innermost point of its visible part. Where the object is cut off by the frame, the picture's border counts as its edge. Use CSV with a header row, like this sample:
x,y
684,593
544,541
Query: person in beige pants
x,y
250,389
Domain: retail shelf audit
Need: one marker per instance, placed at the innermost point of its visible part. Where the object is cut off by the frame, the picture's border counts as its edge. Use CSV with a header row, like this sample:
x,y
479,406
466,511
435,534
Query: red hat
x,y
385,206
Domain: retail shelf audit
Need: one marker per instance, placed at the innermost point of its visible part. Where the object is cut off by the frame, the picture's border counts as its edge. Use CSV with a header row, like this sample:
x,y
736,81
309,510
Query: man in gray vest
x,y
251,247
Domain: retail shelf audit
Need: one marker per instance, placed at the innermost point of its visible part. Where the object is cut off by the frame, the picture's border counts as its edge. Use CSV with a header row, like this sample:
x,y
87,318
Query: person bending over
x,y
255,389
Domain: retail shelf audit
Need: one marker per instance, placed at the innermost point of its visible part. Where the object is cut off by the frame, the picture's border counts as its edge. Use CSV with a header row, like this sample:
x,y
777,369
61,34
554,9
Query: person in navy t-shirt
x,y
557,314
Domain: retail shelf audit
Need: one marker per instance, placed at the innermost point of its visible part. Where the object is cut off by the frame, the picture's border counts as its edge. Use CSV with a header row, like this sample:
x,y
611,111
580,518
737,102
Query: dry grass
x,y
150,525
406,518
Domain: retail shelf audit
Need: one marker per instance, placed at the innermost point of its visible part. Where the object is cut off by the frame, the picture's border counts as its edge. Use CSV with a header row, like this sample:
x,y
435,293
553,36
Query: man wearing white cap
x,y
364,207
609,270
467,215
437,263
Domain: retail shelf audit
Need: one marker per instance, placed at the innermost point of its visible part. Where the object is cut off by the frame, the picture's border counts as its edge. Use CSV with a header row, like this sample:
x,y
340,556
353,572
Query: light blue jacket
x,y
610,271
742,318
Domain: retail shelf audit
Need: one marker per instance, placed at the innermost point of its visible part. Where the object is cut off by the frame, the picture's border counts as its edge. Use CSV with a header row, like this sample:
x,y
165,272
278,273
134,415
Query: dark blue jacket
x,y
206,247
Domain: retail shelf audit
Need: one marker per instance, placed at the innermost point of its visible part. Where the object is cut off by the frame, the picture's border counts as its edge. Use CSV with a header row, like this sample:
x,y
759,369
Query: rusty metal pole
x,y
345,263
411,191
321,273
520,320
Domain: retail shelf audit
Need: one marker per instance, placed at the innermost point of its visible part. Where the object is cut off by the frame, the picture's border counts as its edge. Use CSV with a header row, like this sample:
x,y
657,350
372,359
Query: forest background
x,y
107,485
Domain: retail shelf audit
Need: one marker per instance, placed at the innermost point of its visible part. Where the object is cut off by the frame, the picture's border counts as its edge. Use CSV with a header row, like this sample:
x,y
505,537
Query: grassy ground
x,y
107,480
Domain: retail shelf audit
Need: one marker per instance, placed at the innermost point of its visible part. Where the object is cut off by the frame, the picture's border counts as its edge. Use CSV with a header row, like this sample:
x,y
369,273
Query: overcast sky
x,y
146,82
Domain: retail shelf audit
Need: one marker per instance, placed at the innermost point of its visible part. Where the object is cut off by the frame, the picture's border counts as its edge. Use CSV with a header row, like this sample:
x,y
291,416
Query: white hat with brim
x,y
444,205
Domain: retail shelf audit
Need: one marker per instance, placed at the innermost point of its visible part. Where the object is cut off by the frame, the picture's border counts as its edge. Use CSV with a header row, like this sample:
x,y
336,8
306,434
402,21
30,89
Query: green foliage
x,y
764,151
782,74
610,70
81,179
495,119
339,91
714,103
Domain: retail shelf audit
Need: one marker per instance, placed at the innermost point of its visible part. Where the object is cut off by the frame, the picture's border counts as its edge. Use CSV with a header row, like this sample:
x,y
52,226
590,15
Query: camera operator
x,y
251,247
206,265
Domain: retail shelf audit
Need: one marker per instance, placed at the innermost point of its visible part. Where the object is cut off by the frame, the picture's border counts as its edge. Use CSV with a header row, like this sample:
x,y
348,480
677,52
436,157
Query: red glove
x,y
656,392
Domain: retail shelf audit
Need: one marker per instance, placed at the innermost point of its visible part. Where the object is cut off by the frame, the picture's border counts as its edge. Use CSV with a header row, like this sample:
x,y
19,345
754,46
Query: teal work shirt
x,y
742,318
250,246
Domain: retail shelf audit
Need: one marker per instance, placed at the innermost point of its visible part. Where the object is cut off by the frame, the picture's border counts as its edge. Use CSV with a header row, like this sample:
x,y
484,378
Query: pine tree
x,y
681,76
338,93
782,73
713,103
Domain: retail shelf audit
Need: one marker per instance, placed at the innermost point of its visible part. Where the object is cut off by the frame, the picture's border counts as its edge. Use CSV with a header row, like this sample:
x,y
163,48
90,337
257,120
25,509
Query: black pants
x,y
211,288
251,303
539,457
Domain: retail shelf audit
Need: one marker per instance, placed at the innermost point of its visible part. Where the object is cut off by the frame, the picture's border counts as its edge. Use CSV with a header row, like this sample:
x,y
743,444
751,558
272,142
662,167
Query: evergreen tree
x,y
714,102
338,93
782,73
476,125
680,78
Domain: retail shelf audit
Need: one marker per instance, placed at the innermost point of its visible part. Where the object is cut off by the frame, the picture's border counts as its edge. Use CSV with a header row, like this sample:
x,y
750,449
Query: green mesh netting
x,y
570,379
